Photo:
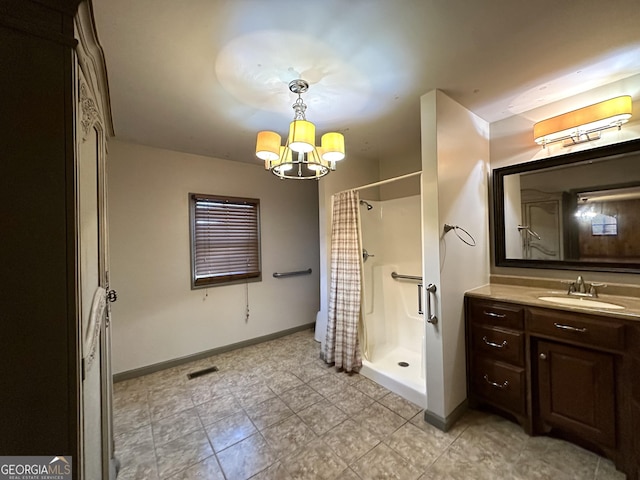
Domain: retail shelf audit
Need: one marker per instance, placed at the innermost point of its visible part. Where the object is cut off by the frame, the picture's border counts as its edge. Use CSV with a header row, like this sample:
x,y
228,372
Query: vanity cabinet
x,y
553,370
497,368
574,371
575,391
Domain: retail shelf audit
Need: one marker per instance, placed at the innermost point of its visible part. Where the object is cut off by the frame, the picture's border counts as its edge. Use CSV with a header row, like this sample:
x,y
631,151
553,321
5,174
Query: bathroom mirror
x,y
575,211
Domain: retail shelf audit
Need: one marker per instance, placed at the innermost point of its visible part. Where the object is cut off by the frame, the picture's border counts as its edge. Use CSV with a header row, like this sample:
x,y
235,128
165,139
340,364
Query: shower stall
x,y
394,337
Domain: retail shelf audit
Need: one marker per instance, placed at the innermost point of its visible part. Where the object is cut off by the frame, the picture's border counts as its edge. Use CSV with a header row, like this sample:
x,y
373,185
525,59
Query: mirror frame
x,y
566,159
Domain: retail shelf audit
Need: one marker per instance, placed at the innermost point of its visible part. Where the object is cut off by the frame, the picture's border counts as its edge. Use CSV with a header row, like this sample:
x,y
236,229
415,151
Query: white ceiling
x,y
203,76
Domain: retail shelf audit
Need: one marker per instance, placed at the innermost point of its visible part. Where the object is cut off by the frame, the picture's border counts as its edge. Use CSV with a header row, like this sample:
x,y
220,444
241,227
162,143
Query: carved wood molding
x,y
550,207
92,63
533,195
90,112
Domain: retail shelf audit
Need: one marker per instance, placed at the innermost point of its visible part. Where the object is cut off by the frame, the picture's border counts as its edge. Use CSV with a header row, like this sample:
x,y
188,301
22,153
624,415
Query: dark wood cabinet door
x,y
576,391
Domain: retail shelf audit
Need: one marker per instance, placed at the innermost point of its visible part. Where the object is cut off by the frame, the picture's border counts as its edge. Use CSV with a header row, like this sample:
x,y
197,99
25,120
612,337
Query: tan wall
x,y
403,163
157,316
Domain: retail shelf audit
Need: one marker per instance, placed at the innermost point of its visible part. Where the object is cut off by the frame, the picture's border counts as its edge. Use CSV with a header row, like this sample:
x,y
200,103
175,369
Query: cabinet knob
x,y
543,356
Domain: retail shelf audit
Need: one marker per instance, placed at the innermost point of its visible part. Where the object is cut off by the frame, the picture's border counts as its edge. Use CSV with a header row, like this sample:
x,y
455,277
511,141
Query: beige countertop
x,y
526,295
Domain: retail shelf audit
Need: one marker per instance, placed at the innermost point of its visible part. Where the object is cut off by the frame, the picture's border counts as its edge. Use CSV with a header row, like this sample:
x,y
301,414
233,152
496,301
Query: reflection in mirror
x,y
580,209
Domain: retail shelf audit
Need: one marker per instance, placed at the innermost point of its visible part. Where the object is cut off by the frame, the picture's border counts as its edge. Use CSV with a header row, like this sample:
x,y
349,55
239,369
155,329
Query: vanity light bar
x,y
611,195
581,125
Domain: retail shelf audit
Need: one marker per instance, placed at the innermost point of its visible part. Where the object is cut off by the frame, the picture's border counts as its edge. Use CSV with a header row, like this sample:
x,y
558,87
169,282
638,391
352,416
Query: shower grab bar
x,y
292,274
431,318
396,276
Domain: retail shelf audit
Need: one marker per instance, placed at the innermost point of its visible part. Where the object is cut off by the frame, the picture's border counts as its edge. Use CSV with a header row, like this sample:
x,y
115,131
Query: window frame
x,y
230,279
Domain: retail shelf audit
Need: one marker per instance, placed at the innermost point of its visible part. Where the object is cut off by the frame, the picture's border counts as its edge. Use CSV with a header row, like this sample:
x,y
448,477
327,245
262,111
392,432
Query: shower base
x,y
405,381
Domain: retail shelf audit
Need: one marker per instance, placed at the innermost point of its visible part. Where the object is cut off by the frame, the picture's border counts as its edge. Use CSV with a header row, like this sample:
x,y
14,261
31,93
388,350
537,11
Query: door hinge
x,y
82,373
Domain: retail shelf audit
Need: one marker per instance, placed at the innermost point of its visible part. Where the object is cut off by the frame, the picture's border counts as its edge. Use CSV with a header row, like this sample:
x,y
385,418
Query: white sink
x,y
581,302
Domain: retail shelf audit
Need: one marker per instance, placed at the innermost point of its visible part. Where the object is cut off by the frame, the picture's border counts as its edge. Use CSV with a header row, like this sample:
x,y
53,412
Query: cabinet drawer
x,y
498,343
498,314
578,328
499,383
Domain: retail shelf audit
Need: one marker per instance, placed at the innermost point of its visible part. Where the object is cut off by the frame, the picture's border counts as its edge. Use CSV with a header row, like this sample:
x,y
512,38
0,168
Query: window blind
x,y
225,239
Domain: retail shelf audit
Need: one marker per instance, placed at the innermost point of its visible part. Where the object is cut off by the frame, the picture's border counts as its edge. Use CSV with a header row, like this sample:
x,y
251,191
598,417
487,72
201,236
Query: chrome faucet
x,y
579,288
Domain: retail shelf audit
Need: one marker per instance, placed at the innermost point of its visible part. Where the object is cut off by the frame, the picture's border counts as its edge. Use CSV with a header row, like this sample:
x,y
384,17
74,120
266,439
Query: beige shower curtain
x,y
344,328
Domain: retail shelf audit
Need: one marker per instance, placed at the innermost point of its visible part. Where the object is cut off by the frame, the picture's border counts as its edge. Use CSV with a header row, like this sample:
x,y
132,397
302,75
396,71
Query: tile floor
x,y
276,411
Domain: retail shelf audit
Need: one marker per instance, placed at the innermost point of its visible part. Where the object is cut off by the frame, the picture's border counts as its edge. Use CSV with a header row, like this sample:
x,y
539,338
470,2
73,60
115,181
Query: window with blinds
x,y
225,240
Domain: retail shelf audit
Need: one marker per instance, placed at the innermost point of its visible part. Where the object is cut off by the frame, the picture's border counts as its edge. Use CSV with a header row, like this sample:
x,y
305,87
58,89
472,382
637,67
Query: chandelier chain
x,y
299,108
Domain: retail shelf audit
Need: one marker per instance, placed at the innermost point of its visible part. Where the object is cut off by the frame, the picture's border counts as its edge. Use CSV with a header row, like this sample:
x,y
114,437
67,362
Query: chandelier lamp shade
x,y
584,124
300,158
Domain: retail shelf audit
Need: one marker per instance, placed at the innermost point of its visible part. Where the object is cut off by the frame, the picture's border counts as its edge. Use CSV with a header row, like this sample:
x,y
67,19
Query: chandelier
x,y
300,158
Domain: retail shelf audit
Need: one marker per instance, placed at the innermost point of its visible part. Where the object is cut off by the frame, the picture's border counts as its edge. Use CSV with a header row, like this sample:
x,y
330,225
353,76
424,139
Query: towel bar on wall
x,y
292,274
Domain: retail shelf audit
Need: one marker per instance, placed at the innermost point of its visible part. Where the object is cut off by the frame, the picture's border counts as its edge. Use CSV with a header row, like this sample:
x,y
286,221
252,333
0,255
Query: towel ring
x,y
455,229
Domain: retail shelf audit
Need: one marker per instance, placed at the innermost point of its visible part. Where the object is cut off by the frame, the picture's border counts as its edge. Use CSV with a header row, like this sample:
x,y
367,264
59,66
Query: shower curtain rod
x,y
382,182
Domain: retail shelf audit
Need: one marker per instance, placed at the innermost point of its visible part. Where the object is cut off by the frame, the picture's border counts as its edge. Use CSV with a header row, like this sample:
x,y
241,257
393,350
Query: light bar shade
x,y
610,113
302,136
332,146
611,195
268,146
